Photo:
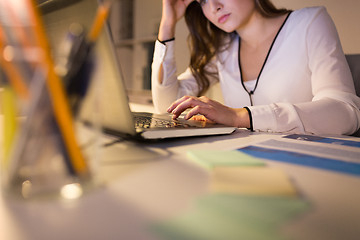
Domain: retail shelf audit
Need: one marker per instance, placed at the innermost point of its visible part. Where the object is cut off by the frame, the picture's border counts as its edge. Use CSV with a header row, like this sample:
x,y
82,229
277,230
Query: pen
x,y
77,65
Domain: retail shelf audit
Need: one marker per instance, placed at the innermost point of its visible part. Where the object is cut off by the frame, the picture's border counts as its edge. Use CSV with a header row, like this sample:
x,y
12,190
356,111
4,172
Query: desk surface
x,y
147,182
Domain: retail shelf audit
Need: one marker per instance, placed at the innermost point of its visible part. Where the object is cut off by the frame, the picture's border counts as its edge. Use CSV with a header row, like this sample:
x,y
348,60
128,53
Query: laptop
x,y
106,102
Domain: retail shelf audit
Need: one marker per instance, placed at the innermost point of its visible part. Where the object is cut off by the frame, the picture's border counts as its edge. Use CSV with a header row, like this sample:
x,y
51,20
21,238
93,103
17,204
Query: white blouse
x,y
305,86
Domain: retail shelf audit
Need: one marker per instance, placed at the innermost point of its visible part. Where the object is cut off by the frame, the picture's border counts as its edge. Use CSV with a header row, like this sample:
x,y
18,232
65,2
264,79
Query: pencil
x,y
60,104
101,16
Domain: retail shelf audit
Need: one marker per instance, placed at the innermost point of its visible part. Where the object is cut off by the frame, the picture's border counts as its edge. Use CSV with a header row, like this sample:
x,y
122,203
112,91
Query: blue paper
x,y
303,159
312,138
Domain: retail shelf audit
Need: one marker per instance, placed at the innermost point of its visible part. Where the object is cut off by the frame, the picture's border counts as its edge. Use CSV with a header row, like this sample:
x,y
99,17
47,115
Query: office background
x,y
135,23
135,26
344,13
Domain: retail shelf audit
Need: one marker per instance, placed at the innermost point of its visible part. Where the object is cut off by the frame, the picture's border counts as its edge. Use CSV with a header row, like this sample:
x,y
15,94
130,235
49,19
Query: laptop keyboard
x,y
151,122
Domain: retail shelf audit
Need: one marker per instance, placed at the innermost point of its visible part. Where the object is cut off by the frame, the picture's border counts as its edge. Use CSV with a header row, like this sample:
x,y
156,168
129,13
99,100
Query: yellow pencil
x,y
57,94
101,16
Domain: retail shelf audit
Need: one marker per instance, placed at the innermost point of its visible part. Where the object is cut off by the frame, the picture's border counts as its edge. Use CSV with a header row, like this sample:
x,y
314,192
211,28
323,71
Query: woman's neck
x,y
259,29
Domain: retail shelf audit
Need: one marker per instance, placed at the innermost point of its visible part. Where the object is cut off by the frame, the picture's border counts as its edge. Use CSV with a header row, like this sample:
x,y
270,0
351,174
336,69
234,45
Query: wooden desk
x,y
147,182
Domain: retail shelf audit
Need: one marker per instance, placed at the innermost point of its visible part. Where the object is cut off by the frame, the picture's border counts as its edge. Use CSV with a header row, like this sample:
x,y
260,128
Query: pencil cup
x,y
45,154
40,164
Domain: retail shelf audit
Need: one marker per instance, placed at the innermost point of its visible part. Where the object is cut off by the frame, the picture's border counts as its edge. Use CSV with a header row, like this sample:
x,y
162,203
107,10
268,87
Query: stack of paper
x,y
235,172
247,200
252,181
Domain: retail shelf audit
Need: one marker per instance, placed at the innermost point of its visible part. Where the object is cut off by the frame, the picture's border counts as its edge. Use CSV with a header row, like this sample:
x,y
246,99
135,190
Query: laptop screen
x,y
106,99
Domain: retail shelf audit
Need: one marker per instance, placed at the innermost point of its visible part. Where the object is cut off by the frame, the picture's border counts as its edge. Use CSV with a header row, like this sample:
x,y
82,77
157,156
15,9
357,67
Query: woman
x,y
279,71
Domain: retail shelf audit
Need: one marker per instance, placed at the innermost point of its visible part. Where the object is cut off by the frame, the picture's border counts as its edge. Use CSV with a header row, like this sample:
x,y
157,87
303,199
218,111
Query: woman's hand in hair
x,y
211,110
172,12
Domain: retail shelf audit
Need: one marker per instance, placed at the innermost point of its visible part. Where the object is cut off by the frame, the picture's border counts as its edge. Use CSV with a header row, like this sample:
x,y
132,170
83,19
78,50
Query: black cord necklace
x,y
250,93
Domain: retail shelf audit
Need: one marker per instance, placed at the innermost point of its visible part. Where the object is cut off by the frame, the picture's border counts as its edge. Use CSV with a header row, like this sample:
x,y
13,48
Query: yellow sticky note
x,y
251,181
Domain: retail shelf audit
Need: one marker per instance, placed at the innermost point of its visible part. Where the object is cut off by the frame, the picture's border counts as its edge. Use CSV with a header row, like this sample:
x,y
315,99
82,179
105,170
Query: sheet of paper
x,y
313,138
214,158
251,180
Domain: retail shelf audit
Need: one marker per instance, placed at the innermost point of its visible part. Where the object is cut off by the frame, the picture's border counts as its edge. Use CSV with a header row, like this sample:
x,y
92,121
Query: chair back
x,y
354,64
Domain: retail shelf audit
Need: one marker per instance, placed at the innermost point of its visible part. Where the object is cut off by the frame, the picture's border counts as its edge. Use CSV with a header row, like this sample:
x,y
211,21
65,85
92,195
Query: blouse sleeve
x,y
334,108
173,86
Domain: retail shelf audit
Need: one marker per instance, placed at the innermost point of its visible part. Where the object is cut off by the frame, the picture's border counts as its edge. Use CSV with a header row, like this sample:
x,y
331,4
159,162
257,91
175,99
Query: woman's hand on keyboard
x,y
212,110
